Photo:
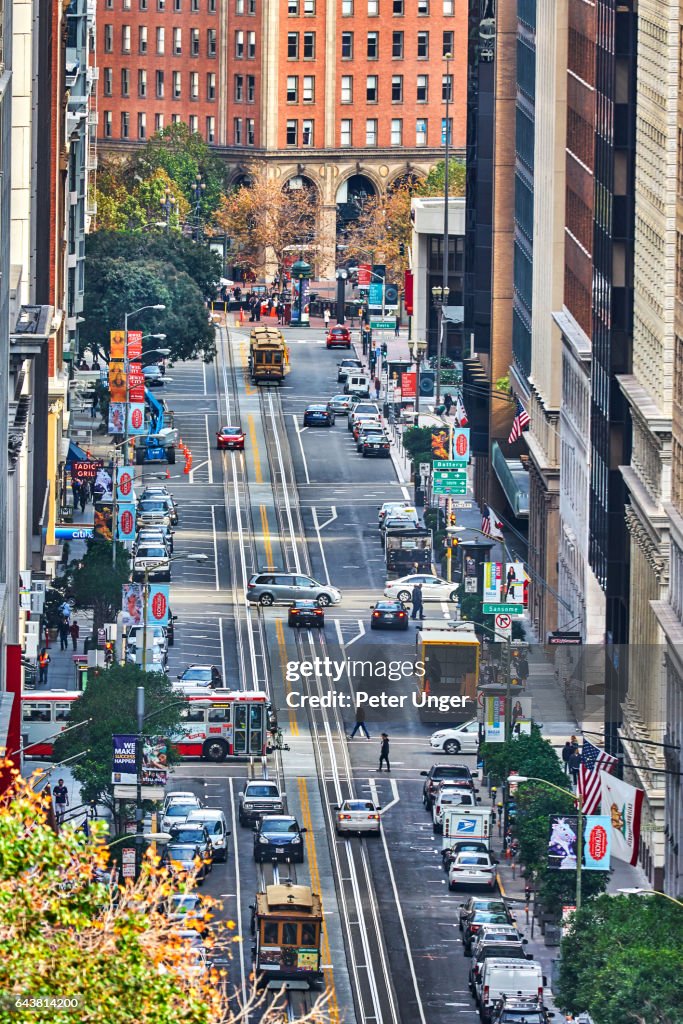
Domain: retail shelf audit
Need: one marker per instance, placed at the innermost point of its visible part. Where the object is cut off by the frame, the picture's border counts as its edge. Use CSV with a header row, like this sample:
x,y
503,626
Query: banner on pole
x,y
117,414
157,604
124,761
125,521
136,418
131,604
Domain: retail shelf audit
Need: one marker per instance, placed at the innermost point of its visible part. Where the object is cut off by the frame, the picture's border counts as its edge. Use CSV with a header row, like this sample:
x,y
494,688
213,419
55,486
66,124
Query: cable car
x,y
287,921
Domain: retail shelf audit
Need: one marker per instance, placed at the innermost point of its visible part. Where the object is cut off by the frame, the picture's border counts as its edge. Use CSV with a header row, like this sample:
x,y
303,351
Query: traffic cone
x,y
273,313
241,315
168,473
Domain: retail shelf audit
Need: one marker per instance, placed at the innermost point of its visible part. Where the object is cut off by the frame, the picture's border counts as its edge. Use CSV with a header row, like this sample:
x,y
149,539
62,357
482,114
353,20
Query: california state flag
x,y
623,804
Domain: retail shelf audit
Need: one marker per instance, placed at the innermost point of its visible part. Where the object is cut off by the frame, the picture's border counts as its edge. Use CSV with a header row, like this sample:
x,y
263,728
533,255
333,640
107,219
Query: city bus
x,y
450,657
235,724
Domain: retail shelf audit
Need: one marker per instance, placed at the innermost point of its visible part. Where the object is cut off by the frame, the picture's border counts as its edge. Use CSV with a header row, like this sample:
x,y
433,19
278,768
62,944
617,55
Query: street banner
x,y
364,275
136,383
597,842
124,484
513,589
136,418
131,604
125,521
562,842
302,285
124,761
461,444
134,346
493,578
494,719
117,381
408,291
117,416
157,604
154,761
102,524
117,345
623,805
408,385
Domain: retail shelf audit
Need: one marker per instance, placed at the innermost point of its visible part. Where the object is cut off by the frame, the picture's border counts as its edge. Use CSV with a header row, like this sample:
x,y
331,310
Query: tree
x,y
182,155
432,184
200,262
621,961
109,702
267,221
382,232
128,202
95,583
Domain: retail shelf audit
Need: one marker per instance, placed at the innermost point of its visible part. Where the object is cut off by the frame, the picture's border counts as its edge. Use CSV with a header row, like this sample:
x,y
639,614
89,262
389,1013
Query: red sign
x,y
597,843
134,345
136,418
408,385
408,292
136,383
159,606
127,523
364,275
125,482
86,470
461,444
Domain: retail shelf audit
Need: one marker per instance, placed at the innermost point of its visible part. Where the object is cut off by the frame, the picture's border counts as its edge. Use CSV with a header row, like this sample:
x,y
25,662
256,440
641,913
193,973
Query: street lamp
x,y
198,189
342,276
159,306
578,799
440,297
168,206
417,351
445,289
650,892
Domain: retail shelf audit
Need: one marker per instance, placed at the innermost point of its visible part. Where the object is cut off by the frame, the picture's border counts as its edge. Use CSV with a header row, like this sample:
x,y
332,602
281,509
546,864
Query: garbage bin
x,y
419,497
553,934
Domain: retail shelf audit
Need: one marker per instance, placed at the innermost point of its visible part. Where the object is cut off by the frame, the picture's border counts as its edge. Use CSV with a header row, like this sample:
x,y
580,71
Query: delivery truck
x,y
466,824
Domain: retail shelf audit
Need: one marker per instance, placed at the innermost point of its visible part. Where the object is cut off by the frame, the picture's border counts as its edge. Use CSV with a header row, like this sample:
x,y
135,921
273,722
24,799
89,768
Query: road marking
x,y
258,476
204,376
208,448
282,652
215,543
318,528
301,446
266,535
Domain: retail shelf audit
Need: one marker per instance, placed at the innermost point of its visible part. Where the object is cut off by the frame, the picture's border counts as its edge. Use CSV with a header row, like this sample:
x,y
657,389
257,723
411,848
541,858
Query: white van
x,y
357,384
507,977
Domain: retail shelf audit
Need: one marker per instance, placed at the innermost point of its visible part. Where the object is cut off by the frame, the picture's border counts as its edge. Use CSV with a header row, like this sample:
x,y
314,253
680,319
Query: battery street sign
x,y
382,325
503,609
448,464
449,482
462,504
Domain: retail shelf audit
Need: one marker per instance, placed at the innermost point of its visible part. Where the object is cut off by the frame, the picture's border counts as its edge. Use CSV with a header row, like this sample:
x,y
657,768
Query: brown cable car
x,y
268,354
287,922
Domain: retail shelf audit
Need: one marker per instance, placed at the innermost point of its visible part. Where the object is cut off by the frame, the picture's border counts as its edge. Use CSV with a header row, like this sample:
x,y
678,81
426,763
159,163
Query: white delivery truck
x,y
507,977
466,824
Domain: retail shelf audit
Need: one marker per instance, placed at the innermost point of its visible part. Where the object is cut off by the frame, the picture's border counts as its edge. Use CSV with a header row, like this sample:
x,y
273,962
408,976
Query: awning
x,y
514,479
76,454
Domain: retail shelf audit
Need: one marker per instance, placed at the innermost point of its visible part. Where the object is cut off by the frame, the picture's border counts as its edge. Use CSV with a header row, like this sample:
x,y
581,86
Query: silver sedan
x,y
357,816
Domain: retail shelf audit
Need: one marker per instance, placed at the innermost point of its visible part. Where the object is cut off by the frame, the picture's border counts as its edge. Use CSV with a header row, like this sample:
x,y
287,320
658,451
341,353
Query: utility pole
x,y
139,832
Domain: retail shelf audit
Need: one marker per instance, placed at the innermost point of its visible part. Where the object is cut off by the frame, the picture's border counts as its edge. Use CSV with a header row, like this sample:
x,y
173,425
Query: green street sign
x,y
449,482
383,325
451,465
501,609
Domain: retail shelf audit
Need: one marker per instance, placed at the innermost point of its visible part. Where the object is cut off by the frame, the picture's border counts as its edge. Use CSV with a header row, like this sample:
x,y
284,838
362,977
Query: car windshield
x,y
488,905
152,552
231,430
182,904
196,673
507,949
156,505
190,835
316,408
358,805
446,771
283,825
521,1017
262,791
469,858
491,916
182,852
180,810
387,606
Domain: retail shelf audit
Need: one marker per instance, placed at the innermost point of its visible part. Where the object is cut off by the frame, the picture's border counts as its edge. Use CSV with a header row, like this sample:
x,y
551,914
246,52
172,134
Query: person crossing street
x,y
384,753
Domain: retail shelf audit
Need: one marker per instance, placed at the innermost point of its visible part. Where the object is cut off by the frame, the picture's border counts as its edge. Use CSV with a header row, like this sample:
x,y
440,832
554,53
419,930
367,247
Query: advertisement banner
x,y
117,381
157,604
124,762
117,345
461,444
304,286
408,385
136,383
125,521
117,414
515,576
493,578
364,275
623,805
103,520
134,346
136,418
494,719
520,716
408,291
597,843
131,604
562,842
124,484
154,761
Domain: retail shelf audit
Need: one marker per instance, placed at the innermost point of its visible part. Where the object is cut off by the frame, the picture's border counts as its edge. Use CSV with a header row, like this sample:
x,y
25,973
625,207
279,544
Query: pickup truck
x,y
259,797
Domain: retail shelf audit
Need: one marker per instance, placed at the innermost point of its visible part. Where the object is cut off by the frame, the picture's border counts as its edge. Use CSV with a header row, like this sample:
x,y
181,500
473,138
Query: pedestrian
x,y
93,406
416,596
61,795
83,496
65,611
326,316
523,669
448,402
567,751
43,663
75,632
397,328
384,753
76,490
360,724
378,386
64,635
574,764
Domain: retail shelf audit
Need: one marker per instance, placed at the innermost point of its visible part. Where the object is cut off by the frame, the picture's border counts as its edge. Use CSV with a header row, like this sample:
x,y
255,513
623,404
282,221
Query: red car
x,y
339,336
230,437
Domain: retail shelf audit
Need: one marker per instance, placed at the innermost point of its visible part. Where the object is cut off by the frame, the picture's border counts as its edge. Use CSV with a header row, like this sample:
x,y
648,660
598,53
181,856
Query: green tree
x,y
109,702
199,262
95,583
432,184
621,961
182,155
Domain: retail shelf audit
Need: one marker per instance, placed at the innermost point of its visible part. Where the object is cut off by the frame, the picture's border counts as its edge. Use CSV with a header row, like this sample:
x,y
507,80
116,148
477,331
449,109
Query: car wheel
x,y
453,596
451,747
451,887
215,750
324,600
266,599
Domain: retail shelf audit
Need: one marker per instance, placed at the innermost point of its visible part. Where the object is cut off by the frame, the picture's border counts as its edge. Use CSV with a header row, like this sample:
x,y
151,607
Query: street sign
x,y
462,504
516,611
449,464
449,482
503,626
383,325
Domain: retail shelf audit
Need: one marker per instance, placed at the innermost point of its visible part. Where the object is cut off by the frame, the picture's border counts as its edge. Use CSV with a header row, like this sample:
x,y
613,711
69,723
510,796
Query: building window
x,y
107,81
421,132
309,45
422,88
292,45
345,133
142,126
251,6
158,122
292,88
237,128
292,132
125,39
107,124
161,5
396,131
398,7
194,123
212,6
194,42
422,45
125,82
177,87
239,6
293,8
347,89
211,86
308,93
239,44
397,88
396,44
177,41
161,34
447,44
108,38
142,83
177,6
175,118
309,7
194,6
125,125
109,5
194,85
251,132
373,45
239,88
448,8
447,88
160,85
211,42
422,7
142,39
347,45
371,132
307,133
142,4
211,129
347,8
373,8
371,88
251,45
251,88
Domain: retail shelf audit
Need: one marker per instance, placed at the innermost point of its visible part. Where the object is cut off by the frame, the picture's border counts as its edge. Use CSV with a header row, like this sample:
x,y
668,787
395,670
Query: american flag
x,y
490,524
522,420
593,761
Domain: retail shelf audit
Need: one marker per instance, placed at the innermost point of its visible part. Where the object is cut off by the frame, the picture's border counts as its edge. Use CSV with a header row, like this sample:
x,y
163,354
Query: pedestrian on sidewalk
x,y
326,316
523,669
83,496
378,386
360,724
448,402
64,635
76,491
574,764
93,407
43,663
418,611
65,611
61,795
75,632
384,753
397,328
567,751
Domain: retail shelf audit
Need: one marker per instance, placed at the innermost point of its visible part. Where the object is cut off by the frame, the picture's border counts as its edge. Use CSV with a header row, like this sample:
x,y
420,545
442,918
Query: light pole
x,y
444,285
160,307
578,799
168,206
440,297
198,189
342,276
650,892
417,351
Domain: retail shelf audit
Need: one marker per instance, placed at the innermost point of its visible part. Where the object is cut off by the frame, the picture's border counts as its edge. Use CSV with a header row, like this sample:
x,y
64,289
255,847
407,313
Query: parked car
x,y
278,837
272,587
183,859
472,869
340,404
259,797
457,739
152,535
357,816
345,367
196,834
152,561
306,614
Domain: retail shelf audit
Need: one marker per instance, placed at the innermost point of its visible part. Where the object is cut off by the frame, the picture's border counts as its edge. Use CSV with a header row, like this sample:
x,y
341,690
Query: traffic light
x,y
384,350
452,519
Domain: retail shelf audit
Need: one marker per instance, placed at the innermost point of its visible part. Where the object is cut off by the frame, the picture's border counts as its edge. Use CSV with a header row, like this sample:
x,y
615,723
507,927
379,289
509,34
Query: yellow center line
x,y
258,476
282,652
332,1004
266,535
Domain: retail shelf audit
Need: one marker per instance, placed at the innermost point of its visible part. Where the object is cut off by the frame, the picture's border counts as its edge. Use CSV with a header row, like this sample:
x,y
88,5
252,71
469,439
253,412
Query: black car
x,y
389,615
306,614
194,834
278,837
318,416
377,445
437,773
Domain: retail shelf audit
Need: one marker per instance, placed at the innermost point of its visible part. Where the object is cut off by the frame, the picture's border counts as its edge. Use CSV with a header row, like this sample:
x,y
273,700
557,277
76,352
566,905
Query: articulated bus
x,y
234,725
450,655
